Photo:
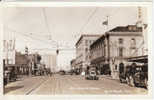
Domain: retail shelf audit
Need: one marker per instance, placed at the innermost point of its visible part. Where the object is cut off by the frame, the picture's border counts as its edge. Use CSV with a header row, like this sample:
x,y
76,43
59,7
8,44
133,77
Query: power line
x,y
89,18
54,43
56,49
46,23
26,35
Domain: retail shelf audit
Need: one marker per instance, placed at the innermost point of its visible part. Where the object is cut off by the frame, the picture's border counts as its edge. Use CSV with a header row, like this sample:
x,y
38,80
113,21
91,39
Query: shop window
x,y
116,67
86,42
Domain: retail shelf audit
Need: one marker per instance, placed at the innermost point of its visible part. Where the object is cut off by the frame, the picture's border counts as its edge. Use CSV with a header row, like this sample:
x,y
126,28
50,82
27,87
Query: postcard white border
x,y
78,4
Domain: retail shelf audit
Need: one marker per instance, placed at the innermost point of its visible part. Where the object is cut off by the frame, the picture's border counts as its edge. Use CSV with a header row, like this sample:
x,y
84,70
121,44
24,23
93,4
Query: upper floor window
x,y
86,49
121,52
120,41
133,43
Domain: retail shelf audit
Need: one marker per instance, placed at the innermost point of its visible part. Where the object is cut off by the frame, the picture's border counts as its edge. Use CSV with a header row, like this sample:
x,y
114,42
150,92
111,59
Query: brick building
x,y
21,62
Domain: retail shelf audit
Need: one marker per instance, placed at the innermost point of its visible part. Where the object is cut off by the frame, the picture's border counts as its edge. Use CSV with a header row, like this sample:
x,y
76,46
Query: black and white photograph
x,y
75,50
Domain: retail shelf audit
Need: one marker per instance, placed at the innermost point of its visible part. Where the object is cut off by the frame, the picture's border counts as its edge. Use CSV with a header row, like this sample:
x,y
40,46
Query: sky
x,y
44,29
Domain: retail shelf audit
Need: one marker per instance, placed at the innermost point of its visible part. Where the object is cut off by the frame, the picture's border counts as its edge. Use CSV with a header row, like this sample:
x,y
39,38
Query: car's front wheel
x,y
120,80
127,80
146,83
131,81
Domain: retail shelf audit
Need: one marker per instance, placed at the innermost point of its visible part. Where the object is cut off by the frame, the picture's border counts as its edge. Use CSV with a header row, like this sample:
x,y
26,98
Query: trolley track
x,y
37,86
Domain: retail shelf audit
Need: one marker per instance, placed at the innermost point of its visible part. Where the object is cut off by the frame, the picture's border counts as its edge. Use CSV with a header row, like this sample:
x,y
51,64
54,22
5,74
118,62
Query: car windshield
x,y
138,68
92,72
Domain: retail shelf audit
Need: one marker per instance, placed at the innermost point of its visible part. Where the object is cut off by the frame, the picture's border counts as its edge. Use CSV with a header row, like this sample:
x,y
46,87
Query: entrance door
x,y
121,67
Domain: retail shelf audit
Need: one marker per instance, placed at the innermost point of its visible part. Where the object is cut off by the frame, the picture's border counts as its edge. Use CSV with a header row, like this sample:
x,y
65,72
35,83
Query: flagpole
x,y
107,22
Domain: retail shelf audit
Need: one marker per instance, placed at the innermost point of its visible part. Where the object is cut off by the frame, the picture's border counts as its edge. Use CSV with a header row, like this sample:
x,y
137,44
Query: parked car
x,y
135,75
62,72
70,72
91,74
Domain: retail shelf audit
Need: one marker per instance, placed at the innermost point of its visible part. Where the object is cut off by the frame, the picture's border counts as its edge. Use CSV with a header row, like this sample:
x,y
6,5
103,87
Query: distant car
x,y
92,75
70,72
62,72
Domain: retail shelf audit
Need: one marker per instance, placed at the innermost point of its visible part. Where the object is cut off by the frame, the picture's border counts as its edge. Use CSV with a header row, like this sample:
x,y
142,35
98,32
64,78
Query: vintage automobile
x,y
135,74
62,72
91,74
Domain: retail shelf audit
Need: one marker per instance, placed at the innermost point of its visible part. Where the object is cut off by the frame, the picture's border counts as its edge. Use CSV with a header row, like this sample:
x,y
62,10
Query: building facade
x,y
50,61
21,62
112,49
9,51
99,55
73,63
83,50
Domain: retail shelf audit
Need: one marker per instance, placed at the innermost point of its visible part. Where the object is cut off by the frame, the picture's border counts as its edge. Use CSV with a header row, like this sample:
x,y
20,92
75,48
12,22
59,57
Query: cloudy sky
x,y
45,29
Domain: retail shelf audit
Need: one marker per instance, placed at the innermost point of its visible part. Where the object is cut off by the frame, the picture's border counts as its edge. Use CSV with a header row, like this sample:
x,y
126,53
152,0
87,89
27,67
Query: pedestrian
x,y
83,74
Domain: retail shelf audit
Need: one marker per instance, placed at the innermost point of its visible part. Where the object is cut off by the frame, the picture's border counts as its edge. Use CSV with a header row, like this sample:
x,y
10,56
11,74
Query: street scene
x,y
65,85
75,50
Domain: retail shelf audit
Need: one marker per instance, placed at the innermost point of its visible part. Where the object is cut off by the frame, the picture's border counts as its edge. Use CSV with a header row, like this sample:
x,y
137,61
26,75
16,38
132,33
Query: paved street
x,y
66,84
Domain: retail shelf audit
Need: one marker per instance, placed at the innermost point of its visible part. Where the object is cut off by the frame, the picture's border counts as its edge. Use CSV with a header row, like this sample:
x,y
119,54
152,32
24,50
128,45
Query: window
x,y
4,45
133,43
86,42
120,41
120,51
130,28
116,67
86,49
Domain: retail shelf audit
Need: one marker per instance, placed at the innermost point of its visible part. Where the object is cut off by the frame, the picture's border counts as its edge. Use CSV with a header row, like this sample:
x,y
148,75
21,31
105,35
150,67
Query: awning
x,y
15,65
139,59
98,60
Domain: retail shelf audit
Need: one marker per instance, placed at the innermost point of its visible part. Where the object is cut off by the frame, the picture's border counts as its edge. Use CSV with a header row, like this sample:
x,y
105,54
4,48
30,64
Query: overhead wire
x,y
87,21
37,39
46,23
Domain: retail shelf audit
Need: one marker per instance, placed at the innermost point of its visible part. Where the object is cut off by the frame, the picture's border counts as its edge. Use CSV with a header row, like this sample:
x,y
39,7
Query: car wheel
x,y
146,83
131,81
127,80
120,80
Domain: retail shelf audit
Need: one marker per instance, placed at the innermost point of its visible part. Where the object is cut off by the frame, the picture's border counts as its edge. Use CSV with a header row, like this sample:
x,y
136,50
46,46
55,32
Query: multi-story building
x,y
9,51
99,55
117,44
21,63
50,61
83,51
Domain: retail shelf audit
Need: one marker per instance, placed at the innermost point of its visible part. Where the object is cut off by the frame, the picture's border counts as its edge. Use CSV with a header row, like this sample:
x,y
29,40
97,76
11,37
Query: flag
x,y
145,26
105,22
